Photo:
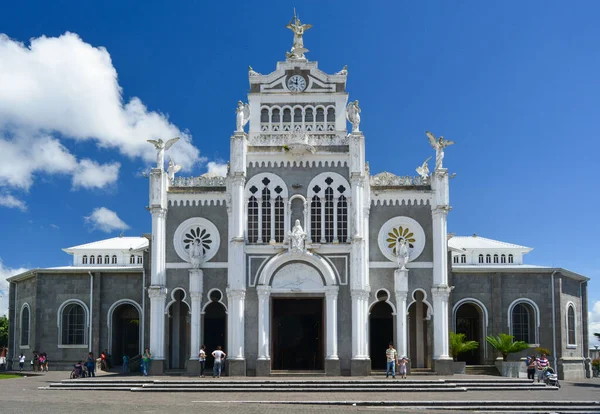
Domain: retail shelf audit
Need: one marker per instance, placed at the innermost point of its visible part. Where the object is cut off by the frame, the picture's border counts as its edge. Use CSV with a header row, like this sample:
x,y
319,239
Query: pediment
x,y
318,81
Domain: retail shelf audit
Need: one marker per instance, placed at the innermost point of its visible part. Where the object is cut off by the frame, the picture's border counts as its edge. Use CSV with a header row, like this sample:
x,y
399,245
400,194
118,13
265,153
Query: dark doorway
x,y
381,333
215,327
125,333
418,332
179,331
468,322
297,334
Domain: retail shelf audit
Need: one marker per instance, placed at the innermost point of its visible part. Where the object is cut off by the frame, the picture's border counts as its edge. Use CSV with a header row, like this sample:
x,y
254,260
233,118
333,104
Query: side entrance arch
x,y
470,319
124,328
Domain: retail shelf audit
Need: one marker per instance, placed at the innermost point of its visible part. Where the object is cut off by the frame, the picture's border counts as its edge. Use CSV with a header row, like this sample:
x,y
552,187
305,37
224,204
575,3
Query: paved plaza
x,y
25,396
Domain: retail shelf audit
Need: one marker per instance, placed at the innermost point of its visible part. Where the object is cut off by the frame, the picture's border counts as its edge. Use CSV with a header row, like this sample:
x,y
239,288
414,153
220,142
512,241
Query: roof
x,y
75,269
514,268
478,242
115,243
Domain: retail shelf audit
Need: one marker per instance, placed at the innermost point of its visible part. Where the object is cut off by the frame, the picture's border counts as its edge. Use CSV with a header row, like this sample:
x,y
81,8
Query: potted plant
x,y
595,367
458,345
505,344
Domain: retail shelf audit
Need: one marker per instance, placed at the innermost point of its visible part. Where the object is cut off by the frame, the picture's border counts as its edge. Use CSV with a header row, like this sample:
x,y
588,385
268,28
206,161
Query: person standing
x,y
146,361
219,355
125,363
402,366
542,364
392,359
530,362
90,363
21,361
202,359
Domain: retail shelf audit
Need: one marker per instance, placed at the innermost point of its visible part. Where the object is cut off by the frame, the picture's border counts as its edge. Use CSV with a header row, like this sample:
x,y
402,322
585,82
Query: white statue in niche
x,y
161,147
438,145
297,239
242,116
353,115
196,253
402,253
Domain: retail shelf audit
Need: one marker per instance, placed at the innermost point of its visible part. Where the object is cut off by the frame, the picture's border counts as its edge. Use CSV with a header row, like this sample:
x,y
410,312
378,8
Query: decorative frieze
x,y
386,179
307,137
206,180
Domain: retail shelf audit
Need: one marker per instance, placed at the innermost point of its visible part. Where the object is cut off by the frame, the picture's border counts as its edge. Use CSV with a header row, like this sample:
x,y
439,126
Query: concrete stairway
x,y
482,370
144,384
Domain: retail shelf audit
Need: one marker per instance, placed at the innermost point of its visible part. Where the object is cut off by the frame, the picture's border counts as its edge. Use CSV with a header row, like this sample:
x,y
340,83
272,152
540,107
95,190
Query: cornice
x,y
196,199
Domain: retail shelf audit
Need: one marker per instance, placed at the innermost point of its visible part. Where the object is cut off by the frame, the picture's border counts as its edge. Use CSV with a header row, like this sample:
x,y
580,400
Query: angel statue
x,y
161,147
298,28
423,170
344,71
439,146
402,254
242,116
173,168
196,253
297,238
353,115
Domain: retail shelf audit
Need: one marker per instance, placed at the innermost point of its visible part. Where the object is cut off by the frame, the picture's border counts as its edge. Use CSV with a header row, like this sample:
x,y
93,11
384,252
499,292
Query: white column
x,y
264,318
441,339
331,294
307,223
158,263
360,320
335,220
196,290
157,296
235,299
287,216
401,291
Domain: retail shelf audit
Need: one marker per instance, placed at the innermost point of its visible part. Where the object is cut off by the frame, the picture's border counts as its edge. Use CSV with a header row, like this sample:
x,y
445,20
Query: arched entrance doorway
x,y
381,331
469,322
418,331
125,332
179,330
215,326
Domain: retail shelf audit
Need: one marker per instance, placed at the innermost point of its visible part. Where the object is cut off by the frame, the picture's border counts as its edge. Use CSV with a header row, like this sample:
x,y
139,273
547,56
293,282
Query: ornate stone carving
x,y
297,239
306,137
397,229
439,146
234,294
172,170
386,179
157,292
161,147
205,180
297,277
353,115
242,116
423,170
298,49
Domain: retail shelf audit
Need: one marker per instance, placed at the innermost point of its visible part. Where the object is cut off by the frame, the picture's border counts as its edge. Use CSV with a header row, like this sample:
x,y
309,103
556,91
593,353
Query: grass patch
x,y
9,376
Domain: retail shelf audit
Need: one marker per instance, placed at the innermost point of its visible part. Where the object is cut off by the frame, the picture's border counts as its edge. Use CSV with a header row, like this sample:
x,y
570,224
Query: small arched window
x,y
84,260
463,258
132,259
488,258
92,260
73,325
510,258
455,259
503,258
571,337
106,259
480,258
25,318
495,258
139,259
114,259
275,116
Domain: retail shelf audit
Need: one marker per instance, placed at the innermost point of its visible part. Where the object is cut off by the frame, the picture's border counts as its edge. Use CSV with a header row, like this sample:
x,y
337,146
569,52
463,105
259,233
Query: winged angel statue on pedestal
x,y
161,147
242,116
353,115
439,146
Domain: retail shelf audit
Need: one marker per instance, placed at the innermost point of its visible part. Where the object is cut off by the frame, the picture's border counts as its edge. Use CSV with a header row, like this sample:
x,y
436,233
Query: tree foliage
x,y
3,331
459,344
505,344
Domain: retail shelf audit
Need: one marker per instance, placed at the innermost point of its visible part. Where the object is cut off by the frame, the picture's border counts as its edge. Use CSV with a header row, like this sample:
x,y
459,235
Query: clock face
x,y
296,83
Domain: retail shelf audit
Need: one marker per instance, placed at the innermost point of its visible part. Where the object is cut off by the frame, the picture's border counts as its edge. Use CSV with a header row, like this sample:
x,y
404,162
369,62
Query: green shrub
x,y
505,344
459,344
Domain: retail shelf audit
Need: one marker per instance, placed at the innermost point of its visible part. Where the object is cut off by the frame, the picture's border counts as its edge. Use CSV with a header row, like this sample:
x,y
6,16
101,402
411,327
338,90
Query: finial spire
x,y
298,49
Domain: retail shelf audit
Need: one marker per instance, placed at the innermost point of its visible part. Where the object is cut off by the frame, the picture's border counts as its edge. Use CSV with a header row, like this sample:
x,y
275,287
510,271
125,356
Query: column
x,y
331,346
264,318
157,295
360,321
307,223
196,290
401,291
235,299
158,262
441,338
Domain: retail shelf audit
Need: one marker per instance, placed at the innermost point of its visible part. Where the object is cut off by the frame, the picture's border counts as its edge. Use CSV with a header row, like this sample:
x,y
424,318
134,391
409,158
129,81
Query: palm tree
x,y
459,344
505,344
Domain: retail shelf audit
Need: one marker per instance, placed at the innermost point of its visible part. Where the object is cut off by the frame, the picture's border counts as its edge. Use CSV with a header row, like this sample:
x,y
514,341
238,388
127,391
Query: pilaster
x,y
235,334
440,295
196,290
401,292
157,295
264,318
361,362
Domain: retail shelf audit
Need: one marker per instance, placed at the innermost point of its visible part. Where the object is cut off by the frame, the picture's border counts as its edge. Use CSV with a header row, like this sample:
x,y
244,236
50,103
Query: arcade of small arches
x,y
487,258
269,209
297,118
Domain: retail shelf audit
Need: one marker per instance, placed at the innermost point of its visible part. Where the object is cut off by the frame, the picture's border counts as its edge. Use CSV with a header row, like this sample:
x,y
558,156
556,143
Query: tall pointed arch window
x,y
571,334
25,324
266,196
328,194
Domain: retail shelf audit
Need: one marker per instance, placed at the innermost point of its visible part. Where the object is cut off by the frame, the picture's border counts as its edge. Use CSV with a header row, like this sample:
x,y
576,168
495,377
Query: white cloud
x,y
59,87
217,169
10,201
105,220
90,174
5,273
594,323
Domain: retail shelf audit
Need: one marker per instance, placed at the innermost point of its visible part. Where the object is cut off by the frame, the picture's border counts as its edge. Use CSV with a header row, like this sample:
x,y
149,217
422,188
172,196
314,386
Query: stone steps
x,y
482,370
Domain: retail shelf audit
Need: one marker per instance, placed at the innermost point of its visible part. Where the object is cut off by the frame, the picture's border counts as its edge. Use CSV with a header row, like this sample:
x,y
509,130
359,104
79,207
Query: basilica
x,y
299,259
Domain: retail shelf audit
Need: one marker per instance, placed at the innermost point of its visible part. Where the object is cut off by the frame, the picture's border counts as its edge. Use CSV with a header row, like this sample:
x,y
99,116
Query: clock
x,y
296,83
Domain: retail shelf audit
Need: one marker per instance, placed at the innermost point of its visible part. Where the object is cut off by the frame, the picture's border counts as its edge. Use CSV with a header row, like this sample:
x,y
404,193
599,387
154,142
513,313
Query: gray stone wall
x,y
572,362
26,293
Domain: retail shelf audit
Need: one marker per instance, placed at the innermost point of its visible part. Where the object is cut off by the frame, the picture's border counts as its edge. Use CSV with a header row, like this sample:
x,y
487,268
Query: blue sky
x,y
515,84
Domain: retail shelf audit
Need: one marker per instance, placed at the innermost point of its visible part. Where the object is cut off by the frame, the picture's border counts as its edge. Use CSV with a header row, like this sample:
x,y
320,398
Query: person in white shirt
x,y
219,355
21,362
202,359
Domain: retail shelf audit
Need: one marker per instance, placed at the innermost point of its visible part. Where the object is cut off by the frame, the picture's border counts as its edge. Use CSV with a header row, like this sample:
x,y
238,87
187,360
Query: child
x,y
21,361
402,365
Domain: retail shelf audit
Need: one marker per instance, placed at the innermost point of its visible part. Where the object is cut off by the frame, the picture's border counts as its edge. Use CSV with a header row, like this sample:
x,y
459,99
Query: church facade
x,y
300,259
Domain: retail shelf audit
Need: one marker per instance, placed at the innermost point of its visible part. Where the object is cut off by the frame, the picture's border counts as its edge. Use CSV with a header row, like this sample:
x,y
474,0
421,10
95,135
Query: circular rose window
x,y
397,229
196,229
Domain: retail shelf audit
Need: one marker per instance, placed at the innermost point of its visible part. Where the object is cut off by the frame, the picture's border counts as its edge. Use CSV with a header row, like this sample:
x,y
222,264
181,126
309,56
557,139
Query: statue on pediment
x,y
297,239
353,115
161,147
439,146
344,71
252,72
423,170
242,116
298,49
